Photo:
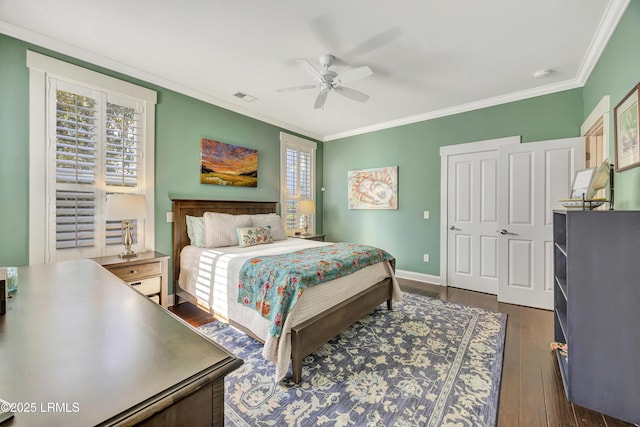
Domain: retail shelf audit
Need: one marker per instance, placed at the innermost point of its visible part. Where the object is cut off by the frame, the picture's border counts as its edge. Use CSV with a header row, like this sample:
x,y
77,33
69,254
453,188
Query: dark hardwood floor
x,y
532,393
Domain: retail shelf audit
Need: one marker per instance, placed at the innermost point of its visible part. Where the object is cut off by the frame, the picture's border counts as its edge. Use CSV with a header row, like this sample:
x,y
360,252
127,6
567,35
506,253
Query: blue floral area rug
x,y
427,362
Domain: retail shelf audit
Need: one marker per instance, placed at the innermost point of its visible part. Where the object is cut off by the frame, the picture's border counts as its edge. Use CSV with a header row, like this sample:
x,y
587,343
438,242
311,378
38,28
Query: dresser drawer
x,y
132,273
148,286
147,273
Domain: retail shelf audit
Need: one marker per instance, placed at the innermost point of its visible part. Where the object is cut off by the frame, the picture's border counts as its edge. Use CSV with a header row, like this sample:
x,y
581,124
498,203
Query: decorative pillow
x,y
195,230
272,220
251,236
220,228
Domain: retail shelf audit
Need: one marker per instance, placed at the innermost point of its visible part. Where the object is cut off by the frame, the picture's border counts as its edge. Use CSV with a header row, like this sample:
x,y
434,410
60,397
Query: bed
x,y
209,280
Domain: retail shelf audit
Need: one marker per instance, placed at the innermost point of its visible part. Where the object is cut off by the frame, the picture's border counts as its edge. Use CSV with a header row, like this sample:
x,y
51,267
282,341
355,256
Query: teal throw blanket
x,y
273,284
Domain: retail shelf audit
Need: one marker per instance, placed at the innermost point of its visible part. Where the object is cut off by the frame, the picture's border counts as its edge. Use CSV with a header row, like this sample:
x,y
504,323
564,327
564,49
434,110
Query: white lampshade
x,y
125,206
306,207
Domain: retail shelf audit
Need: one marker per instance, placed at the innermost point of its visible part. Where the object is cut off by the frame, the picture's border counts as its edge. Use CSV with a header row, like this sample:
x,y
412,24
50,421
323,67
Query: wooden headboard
x,y
183,207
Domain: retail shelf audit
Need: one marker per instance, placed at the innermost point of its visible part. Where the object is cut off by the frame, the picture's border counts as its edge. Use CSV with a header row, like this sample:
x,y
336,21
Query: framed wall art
x,y
373,188
227,164
625,116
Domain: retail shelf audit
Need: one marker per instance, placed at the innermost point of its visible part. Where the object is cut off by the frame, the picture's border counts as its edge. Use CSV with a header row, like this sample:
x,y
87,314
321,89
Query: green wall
x,y
180,123
615,74
415,149
14,154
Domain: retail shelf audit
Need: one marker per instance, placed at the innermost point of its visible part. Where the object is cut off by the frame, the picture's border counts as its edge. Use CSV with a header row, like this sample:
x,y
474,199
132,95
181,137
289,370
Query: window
x,y
91,135
298,158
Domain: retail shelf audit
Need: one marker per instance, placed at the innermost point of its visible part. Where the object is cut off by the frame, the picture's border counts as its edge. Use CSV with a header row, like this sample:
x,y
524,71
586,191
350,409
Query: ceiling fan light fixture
x,y
328,80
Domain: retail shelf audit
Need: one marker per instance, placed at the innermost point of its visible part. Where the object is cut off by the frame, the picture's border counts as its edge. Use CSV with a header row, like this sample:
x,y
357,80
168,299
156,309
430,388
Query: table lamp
x,y
126,207
306,208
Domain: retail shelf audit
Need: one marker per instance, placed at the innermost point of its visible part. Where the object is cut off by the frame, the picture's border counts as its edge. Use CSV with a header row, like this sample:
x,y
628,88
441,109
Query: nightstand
x,y
147,273
317,237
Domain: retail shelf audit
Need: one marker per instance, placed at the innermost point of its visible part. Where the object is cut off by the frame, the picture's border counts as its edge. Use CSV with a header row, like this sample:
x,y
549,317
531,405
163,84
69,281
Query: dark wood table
x,y
80,347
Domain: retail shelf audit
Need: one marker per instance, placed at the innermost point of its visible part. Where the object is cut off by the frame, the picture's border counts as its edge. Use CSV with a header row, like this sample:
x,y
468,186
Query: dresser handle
x,y
134,271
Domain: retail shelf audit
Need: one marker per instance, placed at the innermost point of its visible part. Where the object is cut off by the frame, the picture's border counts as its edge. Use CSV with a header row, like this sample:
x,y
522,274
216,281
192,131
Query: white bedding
x,y
212,275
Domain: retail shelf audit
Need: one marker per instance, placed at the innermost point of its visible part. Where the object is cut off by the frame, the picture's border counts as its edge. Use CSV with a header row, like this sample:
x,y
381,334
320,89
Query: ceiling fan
x,y
328,80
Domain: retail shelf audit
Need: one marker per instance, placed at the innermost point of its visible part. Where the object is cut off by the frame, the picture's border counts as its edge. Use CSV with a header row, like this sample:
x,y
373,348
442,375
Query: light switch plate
x,y
169,216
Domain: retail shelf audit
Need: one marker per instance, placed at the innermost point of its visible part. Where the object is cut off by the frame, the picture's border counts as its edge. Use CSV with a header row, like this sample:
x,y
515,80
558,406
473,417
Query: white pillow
x,y
220,228
195,230
273,220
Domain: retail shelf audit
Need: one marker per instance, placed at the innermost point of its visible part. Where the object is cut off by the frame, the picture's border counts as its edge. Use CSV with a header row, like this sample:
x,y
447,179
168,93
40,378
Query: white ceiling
x,y
429,58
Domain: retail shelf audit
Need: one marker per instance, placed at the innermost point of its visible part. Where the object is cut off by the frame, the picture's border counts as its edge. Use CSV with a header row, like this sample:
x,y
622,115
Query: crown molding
x,y
614,12
58,46
476,105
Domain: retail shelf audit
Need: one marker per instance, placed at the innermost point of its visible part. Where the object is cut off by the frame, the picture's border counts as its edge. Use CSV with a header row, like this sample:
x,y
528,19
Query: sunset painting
x,y
226,164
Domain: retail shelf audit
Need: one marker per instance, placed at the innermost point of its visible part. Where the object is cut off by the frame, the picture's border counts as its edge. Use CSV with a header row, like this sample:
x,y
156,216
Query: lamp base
x,y
127,241
125,255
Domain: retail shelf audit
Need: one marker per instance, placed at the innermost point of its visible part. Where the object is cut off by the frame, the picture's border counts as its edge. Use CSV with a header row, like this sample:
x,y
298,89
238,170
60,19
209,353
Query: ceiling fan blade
x,y
351,93
320,100
352,75
374,43
289,89
325,33
310,69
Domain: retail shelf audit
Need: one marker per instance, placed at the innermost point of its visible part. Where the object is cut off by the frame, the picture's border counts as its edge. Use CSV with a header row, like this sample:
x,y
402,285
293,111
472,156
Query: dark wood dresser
x,y
79,347
596,272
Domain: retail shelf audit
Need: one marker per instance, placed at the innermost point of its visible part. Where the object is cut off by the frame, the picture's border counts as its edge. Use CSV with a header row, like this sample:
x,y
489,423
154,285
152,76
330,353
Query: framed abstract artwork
x,y
373,188
625,116
227,164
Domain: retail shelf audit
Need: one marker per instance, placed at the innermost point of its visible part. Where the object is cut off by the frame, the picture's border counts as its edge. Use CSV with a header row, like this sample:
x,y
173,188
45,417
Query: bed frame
x,y
308,336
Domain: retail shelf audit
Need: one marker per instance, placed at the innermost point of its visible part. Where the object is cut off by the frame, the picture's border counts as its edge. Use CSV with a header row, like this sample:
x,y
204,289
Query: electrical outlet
x,y
425,257
426,214
169,216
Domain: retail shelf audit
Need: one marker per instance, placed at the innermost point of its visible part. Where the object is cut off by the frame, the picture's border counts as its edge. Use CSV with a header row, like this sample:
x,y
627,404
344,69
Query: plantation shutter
x,y
76,140
298,176
97,151
89,135
123,126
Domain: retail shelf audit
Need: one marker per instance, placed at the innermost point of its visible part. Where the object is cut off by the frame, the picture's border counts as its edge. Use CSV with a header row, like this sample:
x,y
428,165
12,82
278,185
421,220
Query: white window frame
x,y
301,144
41,69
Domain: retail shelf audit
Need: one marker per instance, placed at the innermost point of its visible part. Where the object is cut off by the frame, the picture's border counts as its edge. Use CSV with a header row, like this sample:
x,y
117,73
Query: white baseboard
x,y
418,277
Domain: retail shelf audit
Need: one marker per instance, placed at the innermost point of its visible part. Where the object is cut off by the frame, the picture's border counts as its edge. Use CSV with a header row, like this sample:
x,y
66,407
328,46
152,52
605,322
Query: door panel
x,y
520,263
473,213
463,254
488,262
463,191
521,195
489,191
532,177
556,181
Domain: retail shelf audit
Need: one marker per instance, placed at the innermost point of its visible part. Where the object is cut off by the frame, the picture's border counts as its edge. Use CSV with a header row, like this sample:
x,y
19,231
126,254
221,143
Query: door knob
x,y
452,228
503,232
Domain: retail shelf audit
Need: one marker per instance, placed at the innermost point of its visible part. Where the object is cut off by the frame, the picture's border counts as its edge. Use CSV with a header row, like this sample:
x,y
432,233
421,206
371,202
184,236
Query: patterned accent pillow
x,y
251,236
272,220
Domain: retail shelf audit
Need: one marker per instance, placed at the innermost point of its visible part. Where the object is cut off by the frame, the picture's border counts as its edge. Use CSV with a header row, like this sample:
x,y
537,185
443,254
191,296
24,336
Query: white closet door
x,y
532,177
472,221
